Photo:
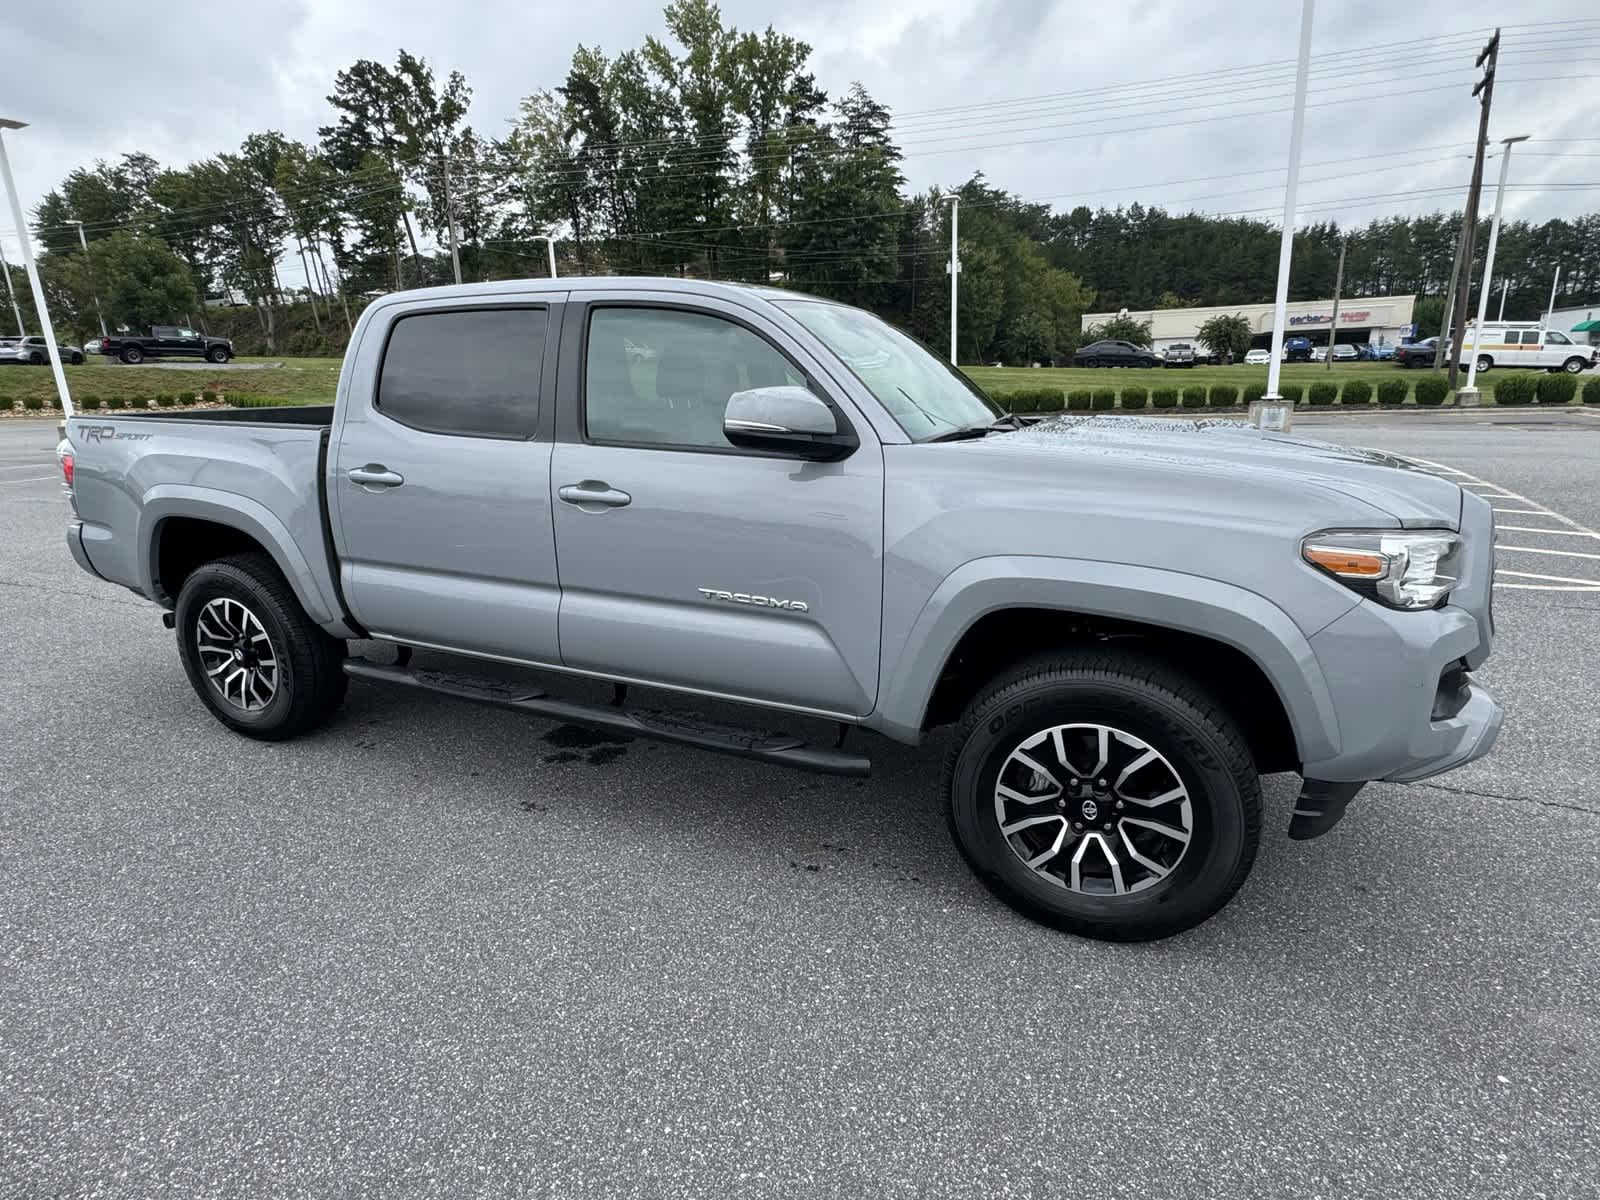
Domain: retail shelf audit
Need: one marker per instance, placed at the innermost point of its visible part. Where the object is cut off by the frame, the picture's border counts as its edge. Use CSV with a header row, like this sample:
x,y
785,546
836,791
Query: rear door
x,y
689,562
439,484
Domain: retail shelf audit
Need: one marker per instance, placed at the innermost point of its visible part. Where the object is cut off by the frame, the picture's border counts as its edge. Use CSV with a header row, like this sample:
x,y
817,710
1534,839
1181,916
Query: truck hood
x,y
1413,497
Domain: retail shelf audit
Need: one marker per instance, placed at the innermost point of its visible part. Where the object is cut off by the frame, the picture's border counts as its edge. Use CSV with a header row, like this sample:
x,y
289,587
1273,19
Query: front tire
x,y
1574,366
217,354
261,666
1104,793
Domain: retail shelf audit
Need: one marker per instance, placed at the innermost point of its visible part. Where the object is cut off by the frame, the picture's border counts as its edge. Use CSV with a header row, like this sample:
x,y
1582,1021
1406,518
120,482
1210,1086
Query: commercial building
x,y
1581,324
1380,320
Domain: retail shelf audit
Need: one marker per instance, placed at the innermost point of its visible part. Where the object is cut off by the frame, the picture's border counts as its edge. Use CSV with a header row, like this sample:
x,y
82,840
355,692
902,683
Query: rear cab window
x,y
465,372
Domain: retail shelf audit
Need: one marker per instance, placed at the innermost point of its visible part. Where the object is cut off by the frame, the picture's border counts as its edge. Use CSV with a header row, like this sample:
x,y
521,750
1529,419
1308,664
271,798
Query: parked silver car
x,y
35,351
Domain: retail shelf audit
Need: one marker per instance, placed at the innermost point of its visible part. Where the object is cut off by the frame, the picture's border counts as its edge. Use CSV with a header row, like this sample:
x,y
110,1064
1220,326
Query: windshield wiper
x,y
967,432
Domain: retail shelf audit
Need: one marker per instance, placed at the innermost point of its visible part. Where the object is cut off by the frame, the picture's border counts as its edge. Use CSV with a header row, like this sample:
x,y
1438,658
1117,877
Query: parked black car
x,y
1116,354
1419,354
167,341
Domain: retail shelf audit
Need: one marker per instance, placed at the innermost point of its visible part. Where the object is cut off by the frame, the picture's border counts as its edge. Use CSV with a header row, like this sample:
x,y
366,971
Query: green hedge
x,y
167,401
1194,397
208,396
1356,391
1591,392
1164,397
116,402
89,403
1432,390
33,403
1557,388
1222,395
1103,399
1392,392
1515,387
1322,393
1135,397
1078,400
1251,392
1292,392
6,403
1030,400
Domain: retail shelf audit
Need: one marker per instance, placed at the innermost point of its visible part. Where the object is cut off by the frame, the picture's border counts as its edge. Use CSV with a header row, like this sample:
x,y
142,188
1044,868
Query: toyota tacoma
x,y
1118,624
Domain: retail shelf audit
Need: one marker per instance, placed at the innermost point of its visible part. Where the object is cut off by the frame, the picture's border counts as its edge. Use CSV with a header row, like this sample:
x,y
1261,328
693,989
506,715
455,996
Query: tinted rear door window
x,y
472,373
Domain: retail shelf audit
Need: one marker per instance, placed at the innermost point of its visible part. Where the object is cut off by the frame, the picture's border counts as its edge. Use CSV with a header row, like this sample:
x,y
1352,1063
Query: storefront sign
x,y
1357,316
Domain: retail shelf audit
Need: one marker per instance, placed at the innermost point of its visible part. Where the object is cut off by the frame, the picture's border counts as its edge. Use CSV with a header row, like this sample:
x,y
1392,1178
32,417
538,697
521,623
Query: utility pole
x,y
955,269
1333,321
1484,88
1548,311
450,212
1505,286
1286,242
1450,297
1469,394
5,269
94,287
311,289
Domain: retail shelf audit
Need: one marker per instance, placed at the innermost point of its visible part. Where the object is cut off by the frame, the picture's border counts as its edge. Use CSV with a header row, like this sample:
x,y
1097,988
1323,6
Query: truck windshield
x,y
924,394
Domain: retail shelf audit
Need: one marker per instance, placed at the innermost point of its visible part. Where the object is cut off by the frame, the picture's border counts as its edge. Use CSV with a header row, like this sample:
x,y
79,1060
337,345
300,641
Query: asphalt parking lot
x,y
441,951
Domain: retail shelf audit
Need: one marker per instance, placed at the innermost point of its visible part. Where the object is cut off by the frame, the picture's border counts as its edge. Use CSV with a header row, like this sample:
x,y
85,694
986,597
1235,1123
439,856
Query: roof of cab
x,y
590,283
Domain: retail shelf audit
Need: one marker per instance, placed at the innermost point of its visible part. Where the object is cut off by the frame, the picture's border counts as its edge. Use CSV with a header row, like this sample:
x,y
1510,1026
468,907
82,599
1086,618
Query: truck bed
x,y
141,477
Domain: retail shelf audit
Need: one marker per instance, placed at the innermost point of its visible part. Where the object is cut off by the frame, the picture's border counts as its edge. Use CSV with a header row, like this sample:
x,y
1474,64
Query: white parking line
x,y
1504,576
1538,550
25,479
1563,532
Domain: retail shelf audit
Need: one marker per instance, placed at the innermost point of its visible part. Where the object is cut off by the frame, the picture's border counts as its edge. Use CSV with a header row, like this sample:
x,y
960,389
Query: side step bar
x,y
783,749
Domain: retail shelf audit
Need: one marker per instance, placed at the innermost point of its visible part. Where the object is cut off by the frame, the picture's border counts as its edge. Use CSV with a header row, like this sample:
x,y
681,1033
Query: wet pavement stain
x,y
576,737
561,756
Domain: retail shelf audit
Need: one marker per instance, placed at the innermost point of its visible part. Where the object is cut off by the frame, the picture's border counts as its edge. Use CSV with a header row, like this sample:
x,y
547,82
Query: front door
x,y
686,561
440,482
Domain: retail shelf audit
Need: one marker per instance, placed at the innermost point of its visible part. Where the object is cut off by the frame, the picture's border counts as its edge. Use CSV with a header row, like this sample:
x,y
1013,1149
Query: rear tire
x,y
1178,860
77,360
1485,363
261,666
1091,362
132,355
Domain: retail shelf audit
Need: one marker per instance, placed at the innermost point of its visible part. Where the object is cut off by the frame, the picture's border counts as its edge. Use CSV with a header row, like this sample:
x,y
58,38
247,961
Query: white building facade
x,y
1378,320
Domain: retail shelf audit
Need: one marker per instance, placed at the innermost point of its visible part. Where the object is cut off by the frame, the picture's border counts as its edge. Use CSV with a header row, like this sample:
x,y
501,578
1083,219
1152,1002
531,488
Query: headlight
x,y
1401,569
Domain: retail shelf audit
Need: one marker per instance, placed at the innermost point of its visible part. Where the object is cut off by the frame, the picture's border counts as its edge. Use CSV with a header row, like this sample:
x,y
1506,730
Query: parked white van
x,y
1524,344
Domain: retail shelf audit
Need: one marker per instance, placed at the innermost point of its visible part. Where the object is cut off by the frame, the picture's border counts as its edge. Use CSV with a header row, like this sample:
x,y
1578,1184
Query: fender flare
x,y
1242,619
247,516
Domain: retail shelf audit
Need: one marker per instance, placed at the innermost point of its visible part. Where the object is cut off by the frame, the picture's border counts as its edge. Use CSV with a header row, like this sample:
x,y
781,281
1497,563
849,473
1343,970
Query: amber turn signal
x,y
1345,562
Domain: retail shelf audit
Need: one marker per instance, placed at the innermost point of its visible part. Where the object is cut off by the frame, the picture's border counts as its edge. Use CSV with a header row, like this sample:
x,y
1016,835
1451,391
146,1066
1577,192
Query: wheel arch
x,y
1026,605
180,530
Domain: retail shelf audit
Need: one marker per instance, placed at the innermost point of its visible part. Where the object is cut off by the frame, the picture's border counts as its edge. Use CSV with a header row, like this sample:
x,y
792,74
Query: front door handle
x,y
593,494
376,475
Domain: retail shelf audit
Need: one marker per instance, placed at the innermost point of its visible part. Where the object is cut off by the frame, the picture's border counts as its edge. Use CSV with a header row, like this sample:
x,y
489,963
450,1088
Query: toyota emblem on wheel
x,y
1091,810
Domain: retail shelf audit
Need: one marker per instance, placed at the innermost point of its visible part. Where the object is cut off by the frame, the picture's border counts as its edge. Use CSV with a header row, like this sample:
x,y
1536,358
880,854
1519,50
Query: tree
x,y
1223,334
142,283
1120,328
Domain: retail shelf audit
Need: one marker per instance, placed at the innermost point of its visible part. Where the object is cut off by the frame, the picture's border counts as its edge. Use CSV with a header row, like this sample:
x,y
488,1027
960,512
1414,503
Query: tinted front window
x,y
658,377
1556,339
470,373
924,394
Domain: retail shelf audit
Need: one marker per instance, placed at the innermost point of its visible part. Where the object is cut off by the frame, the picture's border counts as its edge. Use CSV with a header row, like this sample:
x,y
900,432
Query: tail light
x,y
64,457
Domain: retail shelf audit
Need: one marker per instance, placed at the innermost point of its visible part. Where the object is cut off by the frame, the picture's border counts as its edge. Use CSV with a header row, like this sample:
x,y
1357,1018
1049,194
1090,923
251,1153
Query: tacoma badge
x,y
758,601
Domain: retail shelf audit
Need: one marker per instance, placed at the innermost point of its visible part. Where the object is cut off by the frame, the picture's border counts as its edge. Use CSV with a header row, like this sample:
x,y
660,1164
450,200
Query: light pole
x,y
1469,394
39,304
93,286
5,269
550,249
954,268
1286,244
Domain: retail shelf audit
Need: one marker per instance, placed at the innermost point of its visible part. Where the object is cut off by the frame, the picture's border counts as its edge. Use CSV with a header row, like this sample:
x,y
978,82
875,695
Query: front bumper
x,y
1400,681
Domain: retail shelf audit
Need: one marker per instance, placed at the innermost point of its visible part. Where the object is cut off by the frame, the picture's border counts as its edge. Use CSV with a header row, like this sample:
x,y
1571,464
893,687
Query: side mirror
x,y
789,420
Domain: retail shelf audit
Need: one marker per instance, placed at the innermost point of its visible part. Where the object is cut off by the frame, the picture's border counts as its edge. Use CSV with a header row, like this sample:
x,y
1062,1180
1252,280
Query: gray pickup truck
x,y
788,504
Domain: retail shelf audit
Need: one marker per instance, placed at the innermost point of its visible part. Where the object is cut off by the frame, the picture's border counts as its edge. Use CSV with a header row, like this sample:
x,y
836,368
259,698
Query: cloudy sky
x,y
1183,104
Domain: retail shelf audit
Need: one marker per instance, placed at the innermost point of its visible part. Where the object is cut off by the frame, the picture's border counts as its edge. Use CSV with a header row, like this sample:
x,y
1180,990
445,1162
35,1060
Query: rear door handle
x,y
376,475
593,494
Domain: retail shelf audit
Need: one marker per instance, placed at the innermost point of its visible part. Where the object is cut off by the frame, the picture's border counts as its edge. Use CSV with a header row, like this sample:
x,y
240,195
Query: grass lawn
x,y
296,381
1002,379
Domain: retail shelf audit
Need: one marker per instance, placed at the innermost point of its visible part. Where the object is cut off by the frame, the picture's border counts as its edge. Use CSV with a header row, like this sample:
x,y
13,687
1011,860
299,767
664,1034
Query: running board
x,y
783,749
